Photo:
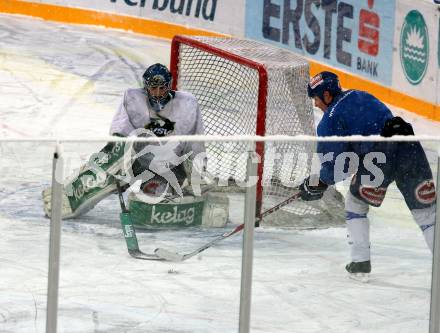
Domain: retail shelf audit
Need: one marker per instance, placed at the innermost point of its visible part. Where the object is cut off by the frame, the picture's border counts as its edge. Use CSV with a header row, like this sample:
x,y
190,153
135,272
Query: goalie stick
x,y
174,256
130,233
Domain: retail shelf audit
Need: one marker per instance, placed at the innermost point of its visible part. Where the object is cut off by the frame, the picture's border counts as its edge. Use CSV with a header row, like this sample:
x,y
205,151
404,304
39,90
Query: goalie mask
x,y
157,84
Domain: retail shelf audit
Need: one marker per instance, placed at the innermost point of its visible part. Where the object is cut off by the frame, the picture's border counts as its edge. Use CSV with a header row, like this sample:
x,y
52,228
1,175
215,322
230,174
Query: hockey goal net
x,y
248,88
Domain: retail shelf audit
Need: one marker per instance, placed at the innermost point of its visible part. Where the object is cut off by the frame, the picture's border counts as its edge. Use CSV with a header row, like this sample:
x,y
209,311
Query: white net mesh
x,y
227,75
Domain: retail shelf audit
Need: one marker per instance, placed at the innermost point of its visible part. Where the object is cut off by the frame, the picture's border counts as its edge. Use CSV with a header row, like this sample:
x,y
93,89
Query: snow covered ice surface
x,y
61,80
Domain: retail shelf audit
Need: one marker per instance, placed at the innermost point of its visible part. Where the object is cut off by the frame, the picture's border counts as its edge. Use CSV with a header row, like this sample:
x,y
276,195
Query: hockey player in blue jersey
x,y
354,112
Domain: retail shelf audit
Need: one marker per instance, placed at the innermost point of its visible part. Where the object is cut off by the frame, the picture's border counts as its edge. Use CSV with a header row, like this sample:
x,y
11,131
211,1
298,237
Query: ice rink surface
x,y
67,81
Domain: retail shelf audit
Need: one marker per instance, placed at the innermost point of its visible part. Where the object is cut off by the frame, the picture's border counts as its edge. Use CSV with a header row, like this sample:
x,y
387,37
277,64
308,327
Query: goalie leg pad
x,y
93,183
76,205
210,210
216,210
179,212
66,210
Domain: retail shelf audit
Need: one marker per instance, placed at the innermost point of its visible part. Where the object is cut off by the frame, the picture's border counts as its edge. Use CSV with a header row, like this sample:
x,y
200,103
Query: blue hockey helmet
x,y
157,76
324,81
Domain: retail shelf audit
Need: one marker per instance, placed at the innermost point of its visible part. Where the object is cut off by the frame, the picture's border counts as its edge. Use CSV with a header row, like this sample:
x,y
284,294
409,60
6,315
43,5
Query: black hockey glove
x,y
396,126
309,192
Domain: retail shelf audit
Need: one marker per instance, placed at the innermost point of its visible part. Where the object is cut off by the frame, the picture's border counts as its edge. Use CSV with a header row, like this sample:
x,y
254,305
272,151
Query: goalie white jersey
x,y
135,112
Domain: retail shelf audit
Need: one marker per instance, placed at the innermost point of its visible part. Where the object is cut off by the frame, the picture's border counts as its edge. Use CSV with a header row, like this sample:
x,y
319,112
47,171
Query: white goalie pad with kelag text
x,y
208,210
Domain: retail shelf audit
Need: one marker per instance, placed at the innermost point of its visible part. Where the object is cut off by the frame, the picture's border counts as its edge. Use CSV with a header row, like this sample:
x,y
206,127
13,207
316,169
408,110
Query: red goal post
x,y
245,87
262,90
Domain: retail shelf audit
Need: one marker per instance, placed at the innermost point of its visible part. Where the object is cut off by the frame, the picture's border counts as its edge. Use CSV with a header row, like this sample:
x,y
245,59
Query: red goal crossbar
x,y
262,91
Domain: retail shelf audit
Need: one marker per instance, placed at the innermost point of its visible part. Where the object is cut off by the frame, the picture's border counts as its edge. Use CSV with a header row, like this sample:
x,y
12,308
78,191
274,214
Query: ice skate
x,y
359,271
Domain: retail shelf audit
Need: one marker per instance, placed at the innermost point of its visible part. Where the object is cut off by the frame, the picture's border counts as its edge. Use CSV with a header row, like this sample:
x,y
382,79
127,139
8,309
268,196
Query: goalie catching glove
x,y
310,192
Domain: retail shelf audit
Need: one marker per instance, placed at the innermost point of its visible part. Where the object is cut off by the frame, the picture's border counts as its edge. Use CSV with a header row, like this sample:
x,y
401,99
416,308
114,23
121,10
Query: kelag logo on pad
x,y
414,47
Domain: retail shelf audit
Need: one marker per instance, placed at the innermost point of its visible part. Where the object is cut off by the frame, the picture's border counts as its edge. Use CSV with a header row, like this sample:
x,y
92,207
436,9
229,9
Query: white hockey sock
x,y
425,219
358,228
358,236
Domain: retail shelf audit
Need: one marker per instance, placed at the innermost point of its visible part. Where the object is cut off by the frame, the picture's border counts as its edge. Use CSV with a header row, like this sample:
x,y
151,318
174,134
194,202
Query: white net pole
x,y
434,318
248,241
55,240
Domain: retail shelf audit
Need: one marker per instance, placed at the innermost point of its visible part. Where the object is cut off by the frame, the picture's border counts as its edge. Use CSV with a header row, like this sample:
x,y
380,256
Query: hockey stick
x,y
174,256
130,233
